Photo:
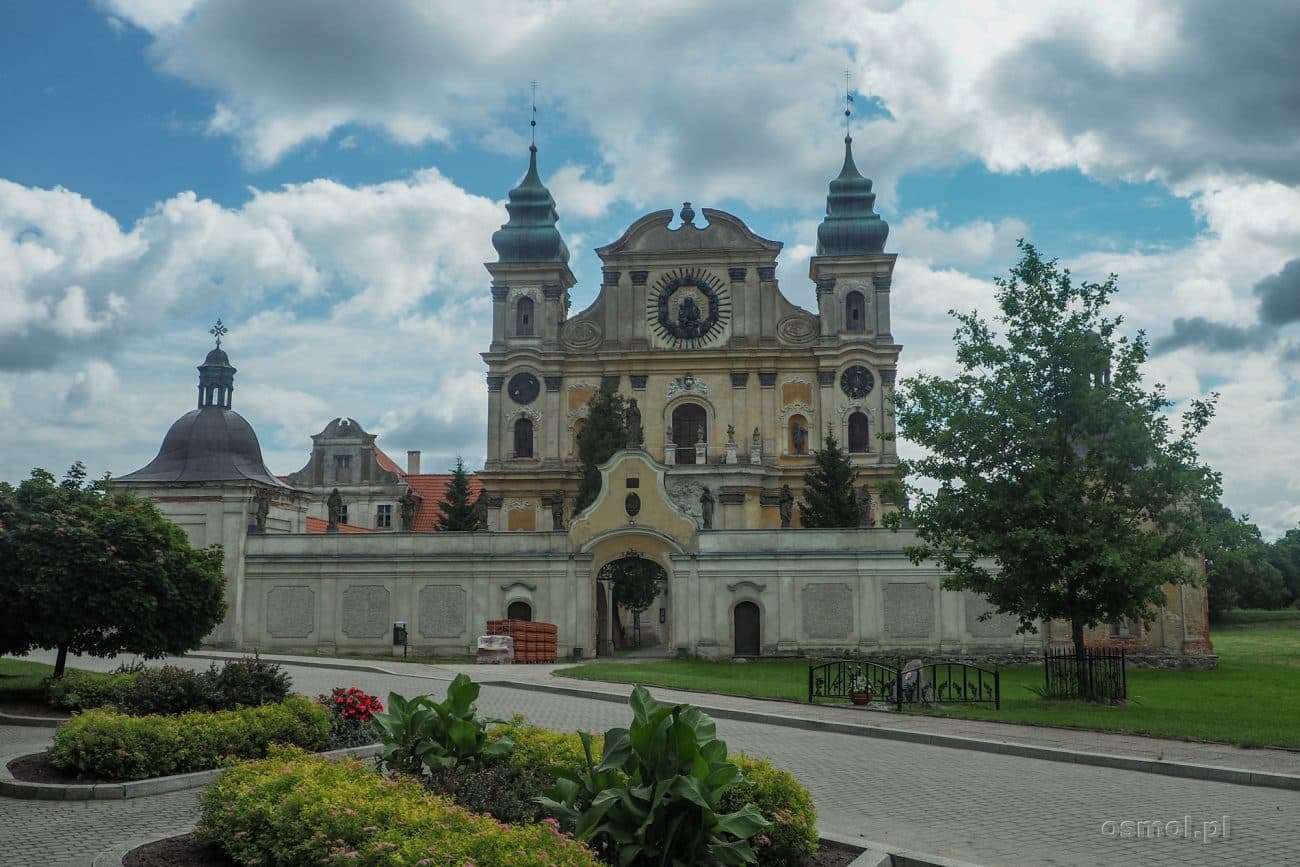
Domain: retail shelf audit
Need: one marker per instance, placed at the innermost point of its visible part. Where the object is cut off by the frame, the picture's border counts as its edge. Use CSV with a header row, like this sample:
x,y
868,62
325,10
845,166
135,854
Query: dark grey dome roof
x,y
217,356
212,444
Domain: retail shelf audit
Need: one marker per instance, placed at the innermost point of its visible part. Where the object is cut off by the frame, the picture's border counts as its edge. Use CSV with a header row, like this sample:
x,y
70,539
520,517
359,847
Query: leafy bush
x,y
503,790
109,744
538,748
297,810
792,836
79,690
420,732
655,796
351,717
251,681
170,690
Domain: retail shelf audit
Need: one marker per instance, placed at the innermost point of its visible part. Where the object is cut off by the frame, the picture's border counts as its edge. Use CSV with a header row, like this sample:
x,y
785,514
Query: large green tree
x,y
1058,486
456,509
1284,554
604,433
88,569
1239,571
828,498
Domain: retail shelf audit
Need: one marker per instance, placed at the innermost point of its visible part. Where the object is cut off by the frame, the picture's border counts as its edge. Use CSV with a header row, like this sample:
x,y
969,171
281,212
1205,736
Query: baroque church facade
x,y
733,388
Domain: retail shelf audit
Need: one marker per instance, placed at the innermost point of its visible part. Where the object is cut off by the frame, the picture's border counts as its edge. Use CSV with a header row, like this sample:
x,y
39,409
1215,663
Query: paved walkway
x,y
958,804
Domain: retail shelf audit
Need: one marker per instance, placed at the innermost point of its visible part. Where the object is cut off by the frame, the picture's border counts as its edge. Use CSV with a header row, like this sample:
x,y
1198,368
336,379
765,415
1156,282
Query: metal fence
x,y
930,683
1098,675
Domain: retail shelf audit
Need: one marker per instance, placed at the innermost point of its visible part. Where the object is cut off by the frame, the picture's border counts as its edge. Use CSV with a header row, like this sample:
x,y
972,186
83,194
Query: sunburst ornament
x,y
689,308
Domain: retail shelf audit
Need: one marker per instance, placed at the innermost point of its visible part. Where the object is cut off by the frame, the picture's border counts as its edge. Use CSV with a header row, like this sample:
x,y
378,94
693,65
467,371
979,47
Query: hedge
x,y
295,809
108,744
80,690
791,839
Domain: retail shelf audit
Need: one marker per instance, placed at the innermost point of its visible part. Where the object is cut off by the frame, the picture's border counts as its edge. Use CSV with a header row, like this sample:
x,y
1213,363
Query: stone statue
x,y
786,505
261,508
706,508
632,418
865,518
480,510
757,441
699,440
407,504
731,434
334,504
800,436
557,511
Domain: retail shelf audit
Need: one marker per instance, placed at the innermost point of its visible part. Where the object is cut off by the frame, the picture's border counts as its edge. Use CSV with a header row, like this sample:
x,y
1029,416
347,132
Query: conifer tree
x,y
828,488
456,507
604,434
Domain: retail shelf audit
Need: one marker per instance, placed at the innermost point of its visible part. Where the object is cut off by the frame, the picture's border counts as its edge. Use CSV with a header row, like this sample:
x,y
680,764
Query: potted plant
x,y
859,687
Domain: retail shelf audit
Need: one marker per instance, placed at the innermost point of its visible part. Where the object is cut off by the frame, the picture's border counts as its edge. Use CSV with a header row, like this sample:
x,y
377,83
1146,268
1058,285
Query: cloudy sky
x,y
325,175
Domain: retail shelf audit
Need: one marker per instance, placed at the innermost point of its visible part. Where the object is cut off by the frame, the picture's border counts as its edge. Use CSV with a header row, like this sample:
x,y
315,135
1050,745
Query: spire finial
x,y
218,331
848,103
533,123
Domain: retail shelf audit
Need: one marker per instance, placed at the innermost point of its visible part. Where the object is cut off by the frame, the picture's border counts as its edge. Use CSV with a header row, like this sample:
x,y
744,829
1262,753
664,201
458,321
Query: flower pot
x,y
860,697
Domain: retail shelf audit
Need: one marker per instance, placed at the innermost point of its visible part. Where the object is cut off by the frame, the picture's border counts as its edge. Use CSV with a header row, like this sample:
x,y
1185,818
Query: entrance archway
x,y
519,610
747,622
639,587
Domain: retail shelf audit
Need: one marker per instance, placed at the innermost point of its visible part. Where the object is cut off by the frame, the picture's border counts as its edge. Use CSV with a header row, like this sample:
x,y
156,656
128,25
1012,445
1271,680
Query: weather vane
x,y
533,122
848,100
218,331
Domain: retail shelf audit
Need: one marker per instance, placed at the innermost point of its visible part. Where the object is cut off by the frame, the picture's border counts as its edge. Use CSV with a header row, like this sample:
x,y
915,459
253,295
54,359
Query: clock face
x,y
689,308
523,388
857,381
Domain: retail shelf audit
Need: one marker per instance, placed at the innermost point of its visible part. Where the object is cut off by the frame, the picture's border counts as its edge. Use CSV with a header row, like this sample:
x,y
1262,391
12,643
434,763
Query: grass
x,y
1252,699
21,678
1240,616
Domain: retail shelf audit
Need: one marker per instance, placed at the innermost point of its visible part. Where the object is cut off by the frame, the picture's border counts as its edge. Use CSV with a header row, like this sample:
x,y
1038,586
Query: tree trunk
x,y
61,660
1081,669
1076,634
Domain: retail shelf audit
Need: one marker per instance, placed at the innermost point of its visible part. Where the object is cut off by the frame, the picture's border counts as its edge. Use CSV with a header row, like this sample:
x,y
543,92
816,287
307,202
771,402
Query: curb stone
x,y
880,855
13,719
1211,773
113,857
12,788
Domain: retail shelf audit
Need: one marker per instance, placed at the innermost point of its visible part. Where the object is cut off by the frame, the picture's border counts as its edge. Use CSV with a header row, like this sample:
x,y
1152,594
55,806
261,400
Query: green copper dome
x,y
851,227
530,234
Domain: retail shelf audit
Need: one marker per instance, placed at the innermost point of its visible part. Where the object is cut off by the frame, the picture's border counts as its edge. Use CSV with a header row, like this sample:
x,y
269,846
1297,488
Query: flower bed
x,y
115,746
297,809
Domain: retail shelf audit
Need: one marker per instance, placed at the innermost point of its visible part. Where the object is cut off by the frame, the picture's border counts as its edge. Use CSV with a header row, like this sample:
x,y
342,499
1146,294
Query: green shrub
x,y
655,796
109,744
792,837
539,748
503,790
171,690
251,681
80,690
296,810
420,732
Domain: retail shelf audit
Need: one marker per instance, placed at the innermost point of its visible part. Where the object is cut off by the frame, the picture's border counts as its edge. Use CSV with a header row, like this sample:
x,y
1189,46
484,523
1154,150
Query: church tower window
x,y
855,312
523,438
524,317
690,423
859,433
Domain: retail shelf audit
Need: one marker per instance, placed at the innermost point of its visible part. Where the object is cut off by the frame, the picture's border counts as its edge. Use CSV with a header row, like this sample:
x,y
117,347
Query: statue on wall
x,y
632,419
757,443
557,511
407,504
334,504
706,508
865,518
480,510
786,505
261,508
731,434
800,436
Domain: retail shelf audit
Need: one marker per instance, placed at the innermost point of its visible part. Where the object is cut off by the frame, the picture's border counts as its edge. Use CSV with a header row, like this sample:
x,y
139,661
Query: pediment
x,y
724,232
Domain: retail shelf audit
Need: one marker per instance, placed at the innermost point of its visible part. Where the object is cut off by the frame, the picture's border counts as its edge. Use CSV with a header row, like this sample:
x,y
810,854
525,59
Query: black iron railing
x,y
929,683
1098,675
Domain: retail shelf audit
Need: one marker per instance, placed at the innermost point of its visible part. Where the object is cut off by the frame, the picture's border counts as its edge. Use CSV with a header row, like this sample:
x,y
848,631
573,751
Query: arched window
x,y
859,433
523,438
797,433
855,312
519,610
747,622
690,423
524,317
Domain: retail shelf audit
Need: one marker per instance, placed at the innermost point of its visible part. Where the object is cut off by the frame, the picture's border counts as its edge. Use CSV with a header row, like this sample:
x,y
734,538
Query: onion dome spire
x,y
216,375
530,235
851,226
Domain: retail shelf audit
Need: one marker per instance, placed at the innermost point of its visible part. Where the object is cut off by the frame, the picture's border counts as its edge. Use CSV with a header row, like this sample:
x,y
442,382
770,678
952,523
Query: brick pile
x,y
534,642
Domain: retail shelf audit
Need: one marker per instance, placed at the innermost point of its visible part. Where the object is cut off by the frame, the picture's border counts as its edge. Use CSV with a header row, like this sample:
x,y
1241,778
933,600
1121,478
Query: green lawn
x,y
21,678
1253,699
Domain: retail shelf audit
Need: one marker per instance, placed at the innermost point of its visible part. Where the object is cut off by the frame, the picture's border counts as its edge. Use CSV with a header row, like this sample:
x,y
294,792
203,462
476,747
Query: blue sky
x,y
326,177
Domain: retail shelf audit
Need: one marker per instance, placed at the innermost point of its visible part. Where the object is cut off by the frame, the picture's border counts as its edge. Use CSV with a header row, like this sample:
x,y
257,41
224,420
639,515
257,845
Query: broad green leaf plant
x,y
654,797
420,732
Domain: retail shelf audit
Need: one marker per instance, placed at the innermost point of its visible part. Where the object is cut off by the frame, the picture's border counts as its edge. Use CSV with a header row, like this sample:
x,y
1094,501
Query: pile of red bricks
x,y
534,642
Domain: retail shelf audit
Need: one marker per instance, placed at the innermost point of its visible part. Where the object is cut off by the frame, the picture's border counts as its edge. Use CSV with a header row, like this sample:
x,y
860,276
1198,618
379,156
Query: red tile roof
x,y
431,488
387,463
318,525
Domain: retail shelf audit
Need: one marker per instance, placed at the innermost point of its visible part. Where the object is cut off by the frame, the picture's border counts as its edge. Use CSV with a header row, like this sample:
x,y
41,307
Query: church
x,y
730,388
